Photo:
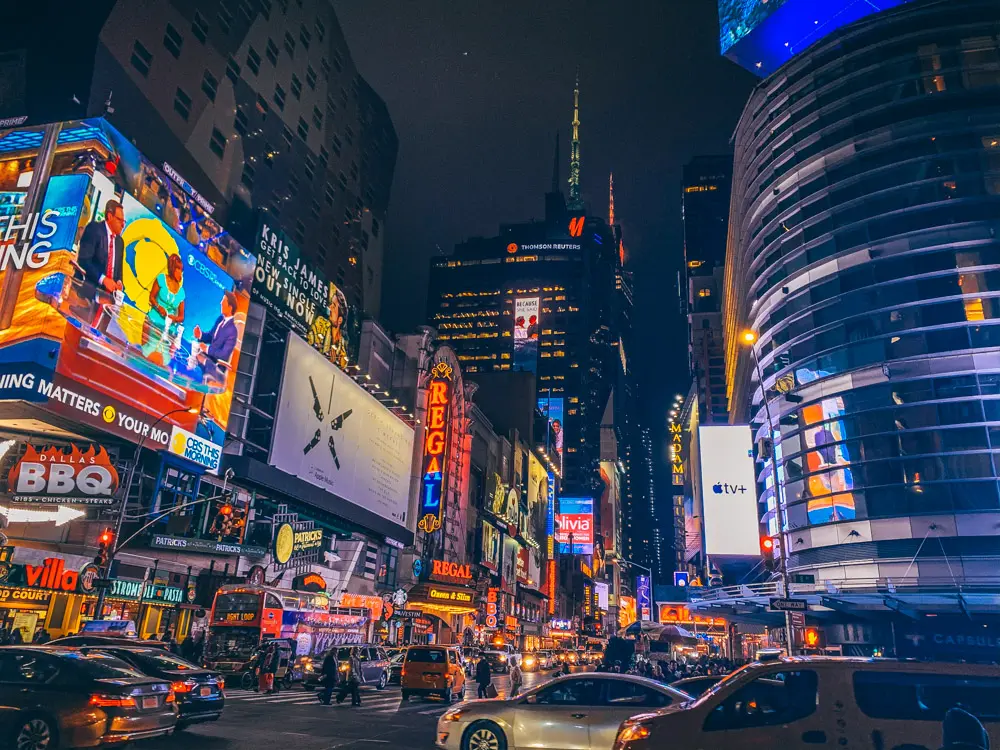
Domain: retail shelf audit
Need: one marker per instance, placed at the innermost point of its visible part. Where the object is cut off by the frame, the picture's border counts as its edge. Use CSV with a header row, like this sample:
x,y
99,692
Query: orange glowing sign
x,y
576,226
512,248
71,476
435,447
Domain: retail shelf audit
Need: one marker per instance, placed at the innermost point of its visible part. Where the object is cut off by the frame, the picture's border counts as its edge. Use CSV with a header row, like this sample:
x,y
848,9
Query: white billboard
x,y
332,433
728,490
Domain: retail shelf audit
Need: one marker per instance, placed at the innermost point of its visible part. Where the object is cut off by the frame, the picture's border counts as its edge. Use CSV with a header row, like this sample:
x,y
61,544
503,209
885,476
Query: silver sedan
x,y
574,712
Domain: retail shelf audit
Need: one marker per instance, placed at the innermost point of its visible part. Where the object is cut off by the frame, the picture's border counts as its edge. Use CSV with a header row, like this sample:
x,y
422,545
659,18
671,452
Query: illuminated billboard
x,y
575,526
121,300
552,410
526,312
610,506
729,494
330,432
435,448
761,35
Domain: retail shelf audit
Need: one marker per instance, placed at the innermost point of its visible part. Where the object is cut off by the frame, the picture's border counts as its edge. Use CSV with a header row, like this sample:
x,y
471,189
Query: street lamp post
x,y
749,338
120,519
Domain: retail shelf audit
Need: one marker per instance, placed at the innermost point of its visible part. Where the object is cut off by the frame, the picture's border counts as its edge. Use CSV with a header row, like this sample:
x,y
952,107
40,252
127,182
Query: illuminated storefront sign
x,y
289,543
626,611
643,598
153,592
189,446
435,447
550,584
450,571
311,582
452,596
51,575
676,458
57,475
492,607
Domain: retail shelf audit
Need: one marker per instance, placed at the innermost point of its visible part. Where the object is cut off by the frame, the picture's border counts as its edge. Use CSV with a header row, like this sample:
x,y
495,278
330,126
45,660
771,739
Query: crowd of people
x,y
668,671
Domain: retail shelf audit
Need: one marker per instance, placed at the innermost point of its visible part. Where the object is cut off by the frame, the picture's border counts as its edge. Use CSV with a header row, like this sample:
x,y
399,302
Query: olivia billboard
x,y
121,300
575,526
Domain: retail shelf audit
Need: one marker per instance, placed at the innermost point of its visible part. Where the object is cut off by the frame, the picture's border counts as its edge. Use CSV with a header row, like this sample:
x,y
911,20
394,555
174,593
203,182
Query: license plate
x,y
150,701
205,691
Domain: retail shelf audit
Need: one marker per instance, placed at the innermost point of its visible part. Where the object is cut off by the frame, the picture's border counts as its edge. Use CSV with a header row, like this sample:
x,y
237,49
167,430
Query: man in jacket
x,y
484,677
102,252
218,342
329,674
352,684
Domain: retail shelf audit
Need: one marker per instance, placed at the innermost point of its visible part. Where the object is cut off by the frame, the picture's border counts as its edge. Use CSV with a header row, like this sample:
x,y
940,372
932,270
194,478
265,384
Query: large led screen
x,y
552,409
526,312
729,495
331,432
121,300
575,525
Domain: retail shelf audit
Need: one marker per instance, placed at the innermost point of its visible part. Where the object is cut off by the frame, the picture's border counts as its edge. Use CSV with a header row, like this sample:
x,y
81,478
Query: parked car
x,y
695,686
550,715
199,692
804,702
61,697
374,667
433,670
98,639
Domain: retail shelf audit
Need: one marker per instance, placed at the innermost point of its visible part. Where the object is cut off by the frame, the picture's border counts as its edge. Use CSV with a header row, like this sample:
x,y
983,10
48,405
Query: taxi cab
x,y
432,670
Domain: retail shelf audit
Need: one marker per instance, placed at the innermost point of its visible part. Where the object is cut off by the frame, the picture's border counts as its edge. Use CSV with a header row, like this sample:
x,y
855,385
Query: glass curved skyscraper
x,y
864,250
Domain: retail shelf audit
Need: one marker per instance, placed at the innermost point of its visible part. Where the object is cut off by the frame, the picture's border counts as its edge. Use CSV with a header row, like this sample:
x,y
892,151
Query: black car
x,y
396,668
85,639
199,692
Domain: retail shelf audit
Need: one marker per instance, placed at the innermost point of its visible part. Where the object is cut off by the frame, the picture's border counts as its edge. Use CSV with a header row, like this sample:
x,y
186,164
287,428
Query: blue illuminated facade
x,y
762,35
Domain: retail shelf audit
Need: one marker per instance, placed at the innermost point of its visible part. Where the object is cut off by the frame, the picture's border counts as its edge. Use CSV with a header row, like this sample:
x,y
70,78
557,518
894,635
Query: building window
x,y
265,9
217,143
387,567
233,71
300,232
321,252
304,36
182,104
303,129
314,209
309,164
349,133
375,227
324,156
240,123
209,85
279,97
225,18
336,144
293,186
253,61
268,154
246,179
271,50
290,44
320,29
331,105
338,62
342,178
310,77
286,134
354,171
296,87
199,27
141,58
330,194
317,117
325,67
173,41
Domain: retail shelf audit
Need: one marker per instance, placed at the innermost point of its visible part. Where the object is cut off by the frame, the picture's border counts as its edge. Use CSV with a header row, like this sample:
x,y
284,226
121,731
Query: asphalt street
x,y
295,720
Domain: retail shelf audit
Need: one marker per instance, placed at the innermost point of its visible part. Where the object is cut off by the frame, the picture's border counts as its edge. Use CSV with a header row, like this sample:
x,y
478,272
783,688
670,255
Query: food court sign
x,y
435,447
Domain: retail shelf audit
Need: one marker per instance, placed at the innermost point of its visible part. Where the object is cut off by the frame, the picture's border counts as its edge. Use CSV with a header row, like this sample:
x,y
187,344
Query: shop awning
x,y
264,475
441,598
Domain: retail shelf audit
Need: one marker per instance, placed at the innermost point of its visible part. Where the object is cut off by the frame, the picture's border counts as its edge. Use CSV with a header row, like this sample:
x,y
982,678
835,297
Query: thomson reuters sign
x,y
196,449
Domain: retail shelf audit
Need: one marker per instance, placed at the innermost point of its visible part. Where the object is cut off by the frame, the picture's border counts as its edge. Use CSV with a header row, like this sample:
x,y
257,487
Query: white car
x,y
574,711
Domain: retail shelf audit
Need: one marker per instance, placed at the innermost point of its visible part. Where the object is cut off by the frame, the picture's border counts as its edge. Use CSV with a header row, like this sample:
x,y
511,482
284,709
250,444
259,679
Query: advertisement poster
x,y
58,475
126,301
575,526
508,571
300,295
729,495
626,611
643,599
610,506
491,547
526,312
552,409
332,433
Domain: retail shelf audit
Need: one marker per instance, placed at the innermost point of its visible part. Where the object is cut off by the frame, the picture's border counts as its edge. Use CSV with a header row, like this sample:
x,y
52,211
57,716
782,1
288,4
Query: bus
x,y
245,616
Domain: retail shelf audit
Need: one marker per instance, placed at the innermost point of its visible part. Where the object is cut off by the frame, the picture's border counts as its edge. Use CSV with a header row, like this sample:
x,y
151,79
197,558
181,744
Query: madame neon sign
x,y
435,446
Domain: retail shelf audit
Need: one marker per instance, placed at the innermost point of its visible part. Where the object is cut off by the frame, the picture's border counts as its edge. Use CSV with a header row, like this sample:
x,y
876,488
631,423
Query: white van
x,y
800,703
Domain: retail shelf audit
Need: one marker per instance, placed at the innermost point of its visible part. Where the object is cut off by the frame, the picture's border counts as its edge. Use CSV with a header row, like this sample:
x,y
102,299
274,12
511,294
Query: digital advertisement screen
x,y
729,494
552,409
526,330
128,301
330,432
491,547
575,526
643,598
737,18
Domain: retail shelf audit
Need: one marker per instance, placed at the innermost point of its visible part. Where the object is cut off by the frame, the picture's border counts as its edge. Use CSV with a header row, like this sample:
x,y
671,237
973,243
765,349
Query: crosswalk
x,y
385,702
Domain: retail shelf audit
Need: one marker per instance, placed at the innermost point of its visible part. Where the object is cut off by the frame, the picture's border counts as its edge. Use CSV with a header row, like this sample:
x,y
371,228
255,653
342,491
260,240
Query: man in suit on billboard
x,y
219,342
102,252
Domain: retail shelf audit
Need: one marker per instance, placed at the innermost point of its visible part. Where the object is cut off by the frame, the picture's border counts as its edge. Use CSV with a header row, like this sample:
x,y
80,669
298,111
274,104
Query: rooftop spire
x,y
555,167
574,155
611,200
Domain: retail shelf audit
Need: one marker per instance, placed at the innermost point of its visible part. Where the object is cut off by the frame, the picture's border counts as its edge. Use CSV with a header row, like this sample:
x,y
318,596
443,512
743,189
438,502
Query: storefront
x,y
450,609
155,608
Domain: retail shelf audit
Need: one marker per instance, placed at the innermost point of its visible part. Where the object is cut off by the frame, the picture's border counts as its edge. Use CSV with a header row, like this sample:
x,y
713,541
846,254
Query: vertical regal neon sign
x,y
435,447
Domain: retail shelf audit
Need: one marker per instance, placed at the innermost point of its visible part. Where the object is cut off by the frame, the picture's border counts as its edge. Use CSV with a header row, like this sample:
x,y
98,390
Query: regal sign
x,y
442,570
57,476
435,447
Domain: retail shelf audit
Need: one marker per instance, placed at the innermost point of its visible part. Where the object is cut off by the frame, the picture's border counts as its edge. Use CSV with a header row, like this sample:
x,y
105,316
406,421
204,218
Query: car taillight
x,y
221,683
170,697
183,687
112,701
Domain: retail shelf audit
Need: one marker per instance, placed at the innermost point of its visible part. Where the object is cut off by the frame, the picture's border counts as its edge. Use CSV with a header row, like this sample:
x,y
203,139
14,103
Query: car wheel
x,y
406,696
286,681
484,735
35,733
382,681
247,680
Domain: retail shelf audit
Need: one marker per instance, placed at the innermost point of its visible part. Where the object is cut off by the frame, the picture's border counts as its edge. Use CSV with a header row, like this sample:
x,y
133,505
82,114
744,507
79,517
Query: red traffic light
x,y
811,637
766,545
106,536
226,510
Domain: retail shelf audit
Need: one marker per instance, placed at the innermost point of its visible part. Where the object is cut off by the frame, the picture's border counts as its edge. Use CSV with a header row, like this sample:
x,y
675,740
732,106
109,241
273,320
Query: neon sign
x,y
435,445
576,226
676,460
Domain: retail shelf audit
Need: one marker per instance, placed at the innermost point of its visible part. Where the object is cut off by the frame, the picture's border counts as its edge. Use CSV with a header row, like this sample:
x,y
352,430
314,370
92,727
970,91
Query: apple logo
x,y
717,488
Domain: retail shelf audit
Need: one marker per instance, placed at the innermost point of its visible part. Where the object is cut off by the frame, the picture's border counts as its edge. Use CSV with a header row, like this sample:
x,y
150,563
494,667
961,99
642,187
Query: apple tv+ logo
x,y
721,488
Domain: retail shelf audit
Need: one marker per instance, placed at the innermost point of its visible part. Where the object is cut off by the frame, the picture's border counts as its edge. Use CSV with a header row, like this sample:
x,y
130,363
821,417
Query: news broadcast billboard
x,y
643,598
575,525
526,330
729,495
552,410
300,295
331,432
121,300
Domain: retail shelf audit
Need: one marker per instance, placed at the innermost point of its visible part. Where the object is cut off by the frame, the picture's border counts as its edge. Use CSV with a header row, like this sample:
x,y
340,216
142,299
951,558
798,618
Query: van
x,y
803,702
433,670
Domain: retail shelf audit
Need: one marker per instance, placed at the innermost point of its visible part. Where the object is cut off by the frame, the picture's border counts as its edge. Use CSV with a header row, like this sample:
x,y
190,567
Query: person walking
x,y
268,666
515,679
484,677
329,673
352,684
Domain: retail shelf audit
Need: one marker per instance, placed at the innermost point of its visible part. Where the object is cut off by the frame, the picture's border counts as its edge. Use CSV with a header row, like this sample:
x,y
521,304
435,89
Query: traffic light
x,y
104,542
226,510
767,553
811,637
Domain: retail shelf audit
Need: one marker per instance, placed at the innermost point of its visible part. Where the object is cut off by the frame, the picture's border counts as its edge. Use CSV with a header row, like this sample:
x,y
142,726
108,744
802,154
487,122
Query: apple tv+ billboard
x,y
728,489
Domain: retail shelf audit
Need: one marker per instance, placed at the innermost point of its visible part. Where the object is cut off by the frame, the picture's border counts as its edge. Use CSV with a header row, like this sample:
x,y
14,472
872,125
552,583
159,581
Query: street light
x,y
99,614
749,338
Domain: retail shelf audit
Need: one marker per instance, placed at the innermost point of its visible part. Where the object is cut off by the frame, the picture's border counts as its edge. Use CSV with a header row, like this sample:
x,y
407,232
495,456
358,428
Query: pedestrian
x,y
515,679
354,679
42,636
329,673
268,666
4,635
16,639
484,678
963,731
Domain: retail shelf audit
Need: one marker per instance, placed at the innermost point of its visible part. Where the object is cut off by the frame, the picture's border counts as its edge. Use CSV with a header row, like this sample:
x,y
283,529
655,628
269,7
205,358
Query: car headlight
x,y
454,715
309,667
632,733
529,660
503,657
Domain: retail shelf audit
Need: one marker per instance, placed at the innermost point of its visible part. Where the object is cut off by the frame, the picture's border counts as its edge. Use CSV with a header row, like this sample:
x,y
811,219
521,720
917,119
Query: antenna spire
x,y
574,155
611,200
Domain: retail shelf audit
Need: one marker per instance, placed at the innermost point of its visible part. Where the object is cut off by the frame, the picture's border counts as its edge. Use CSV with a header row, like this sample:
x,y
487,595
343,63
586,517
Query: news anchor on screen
x,y
220,340
102,252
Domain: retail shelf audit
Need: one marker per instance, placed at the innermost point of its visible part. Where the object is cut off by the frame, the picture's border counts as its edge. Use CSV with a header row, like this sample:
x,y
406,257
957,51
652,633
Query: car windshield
x,y
427,655
154,659
719,685
101,666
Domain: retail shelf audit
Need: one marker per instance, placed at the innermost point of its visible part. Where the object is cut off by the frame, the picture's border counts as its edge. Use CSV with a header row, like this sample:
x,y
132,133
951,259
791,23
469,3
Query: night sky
x,y
477,91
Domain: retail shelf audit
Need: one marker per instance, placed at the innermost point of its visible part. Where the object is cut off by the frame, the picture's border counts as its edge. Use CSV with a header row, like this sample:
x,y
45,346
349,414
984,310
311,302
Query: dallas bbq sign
x,y
56,475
